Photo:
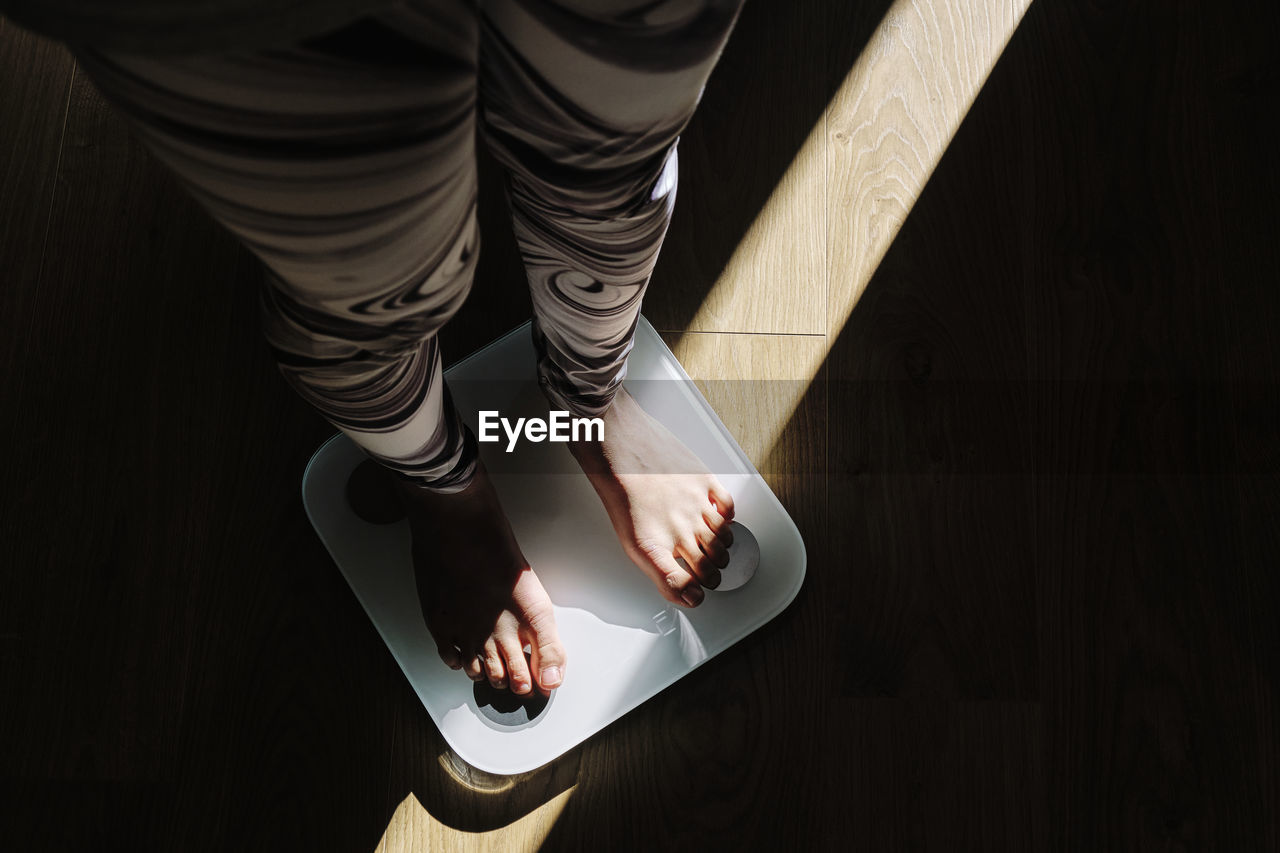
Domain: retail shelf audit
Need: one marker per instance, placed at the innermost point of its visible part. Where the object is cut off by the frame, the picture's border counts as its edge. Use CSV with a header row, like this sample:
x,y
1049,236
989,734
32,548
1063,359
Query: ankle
x,y
416,496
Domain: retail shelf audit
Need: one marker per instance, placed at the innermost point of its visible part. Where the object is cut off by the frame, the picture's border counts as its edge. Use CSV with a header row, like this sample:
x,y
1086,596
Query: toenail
x,y
551,676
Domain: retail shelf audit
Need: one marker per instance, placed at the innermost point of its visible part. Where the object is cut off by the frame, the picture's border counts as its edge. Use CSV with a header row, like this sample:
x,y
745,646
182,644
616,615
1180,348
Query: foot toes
x,y
494,668
704,570
676,579
517,668
471,664
690,593
717,524
449,655
547,656
722,499
713,548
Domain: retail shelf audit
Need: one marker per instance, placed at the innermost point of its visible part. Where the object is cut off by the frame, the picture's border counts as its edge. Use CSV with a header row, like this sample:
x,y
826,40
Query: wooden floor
x,y
1024,415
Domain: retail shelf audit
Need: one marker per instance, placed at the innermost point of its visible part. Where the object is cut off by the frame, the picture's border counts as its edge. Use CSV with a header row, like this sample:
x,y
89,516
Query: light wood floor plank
x,y
891,121
734,260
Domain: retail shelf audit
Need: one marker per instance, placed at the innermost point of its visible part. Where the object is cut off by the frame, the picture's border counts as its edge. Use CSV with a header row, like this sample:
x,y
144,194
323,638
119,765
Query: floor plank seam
x,y
756,334
53,192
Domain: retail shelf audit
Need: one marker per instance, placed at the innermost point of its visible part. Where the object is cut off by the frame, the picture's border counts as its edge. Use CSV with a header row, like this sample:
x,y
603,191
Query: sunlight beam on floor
x,y
412,830
866,162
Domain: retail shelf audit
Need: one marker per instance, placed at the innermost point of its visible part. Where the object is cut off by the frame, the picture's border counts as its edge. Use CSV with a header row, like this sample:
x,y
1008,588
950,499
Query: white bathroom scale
x,y
624,642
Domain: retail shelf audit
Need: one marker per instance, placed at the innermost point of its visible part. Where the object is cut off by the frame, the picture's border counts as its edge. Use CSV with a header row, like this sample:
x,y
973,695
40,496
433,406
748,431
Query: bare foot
x,y
481,600
663,501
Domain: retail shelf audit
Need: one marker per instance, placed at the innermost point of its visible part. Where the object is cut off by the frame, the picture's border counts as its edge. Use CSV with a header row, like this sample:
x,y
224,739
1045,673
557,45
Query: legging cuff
x,y
453,471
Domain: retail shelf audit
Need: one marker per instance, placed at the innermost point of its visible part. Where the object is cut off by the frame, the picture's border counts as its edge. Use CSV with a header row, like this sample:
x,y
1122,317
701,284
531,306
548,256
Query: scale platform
x,y
624,642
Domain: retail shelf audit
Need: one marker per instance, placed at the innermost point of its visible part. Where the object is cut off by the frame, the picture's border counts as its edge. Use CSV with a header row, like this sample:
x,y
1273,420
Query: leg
x,y
354,183
346,163
584,110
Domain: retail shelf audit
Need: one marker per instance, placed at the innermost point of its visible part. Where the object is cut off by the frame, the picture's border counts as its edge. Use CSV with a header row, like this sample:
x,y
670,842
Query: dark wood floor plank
x,y
917,774
931,476
35,79
1153,378
190,653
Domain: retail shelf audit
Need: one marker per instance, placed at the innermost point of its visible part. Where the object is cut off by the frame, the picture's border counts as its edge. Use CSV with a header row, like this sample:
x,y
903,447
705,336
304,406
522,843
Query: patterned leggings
x,y
346,163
